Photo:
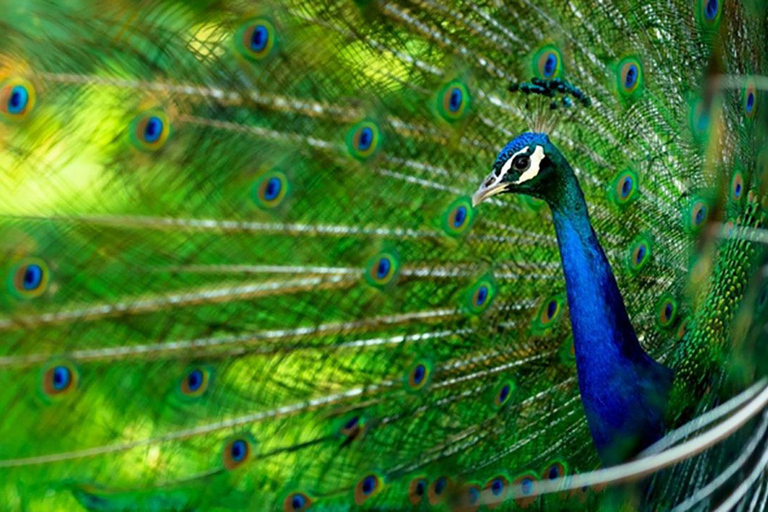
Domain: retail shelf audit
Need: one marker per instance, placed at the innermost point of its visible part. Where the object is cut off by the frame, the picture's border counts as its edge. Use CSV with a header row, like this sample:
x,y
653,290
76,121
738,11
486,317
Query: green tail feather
x,y
243,270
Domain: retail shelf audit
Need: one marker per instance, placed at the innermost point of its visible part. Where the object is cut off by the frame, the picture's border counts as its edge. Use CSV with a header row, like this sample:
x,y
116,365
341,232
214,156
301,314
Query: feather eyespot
x,y
419,376
417,489
150,130
470,498
350,426
624,188
503,395
59,379
438,490
236,453
711,9
666,311
697,214
750,99
453,101
29,278
195,383
699,118
270,189
548,313
630,77
363,140
458,217
526,483
498,488
548,63
737,186
640,253
255,39
682,329
382,269
554,472
368,487
297,502
481,295
17,99
709,12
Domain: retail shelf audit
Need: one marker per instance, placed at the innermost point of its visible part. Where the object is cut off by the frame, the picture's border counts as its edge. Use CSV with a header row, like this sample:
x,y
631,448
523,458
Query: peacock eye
x,y
521,163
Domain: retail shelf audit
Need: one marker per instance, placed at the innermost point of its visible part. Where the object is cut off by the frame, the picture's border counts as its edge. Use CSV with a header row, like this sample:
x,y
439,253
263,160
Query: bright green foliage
x,y
243,270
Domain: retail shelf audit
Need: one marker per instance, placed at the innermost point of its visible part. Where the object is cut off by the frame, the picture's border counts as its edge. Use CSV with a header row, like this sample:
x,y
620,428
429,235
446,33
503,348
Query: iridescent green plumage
x,y
229,222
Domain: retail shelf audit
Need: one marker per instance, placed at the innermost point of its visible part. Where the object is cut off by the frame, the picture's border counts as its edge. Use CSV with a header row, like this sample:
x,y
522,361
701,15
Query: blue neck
x,y
623,390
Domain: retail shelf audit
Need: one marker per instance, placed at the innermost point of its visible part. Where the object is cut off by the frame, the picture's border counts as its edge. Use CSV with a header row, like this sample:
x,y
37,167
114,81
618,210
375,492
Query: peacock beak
x,y
490,187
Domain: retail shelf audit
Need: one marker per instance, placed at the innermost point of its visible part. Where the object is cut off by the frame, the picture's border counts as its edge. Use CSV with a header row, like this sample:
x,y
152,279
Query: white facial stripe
x,y
508,164
533,168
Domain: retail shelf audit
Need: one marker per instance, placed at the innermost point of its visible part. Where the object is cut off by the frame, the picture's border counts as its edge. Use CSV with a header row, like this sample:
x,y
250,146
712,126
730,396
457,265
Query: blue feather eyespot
x,y
711,9
555,471
149,131
438,490
382,269
419,376
458,217
236,453
417,489
639,254
29,278
59,379
453,101
548,313
480,295
498,487
548,63
297,502
737,186
630,77
363,140
666,311
624,188
470,498
503,394
270,189
255,39
17,99
750,99
697,214
351,427
195,383
709,12
699,118
368,487
527,485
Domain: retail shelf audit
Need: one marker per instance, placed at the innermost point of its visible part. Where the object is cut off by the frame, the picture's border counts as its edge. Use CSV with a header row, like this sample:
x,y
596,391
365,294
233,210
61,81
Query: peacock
x,y
254,257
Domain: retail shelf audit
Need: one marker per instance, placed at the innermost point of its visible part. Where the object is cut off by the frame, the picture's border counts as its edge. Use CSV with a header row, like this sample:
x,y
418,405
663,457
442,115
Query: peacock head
x,y
530,165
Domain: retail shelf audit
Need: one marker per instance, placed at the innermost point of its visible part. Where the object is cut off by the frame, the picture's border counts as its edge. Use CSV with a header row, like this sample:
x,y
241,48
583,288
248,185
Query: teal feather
x,y
243,269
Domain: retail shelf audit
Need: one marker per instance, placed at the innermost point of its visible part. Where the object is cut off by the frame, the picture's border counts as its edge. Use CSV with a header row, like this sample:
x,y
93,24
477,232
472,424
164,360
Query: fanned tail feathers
x,y
243,269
